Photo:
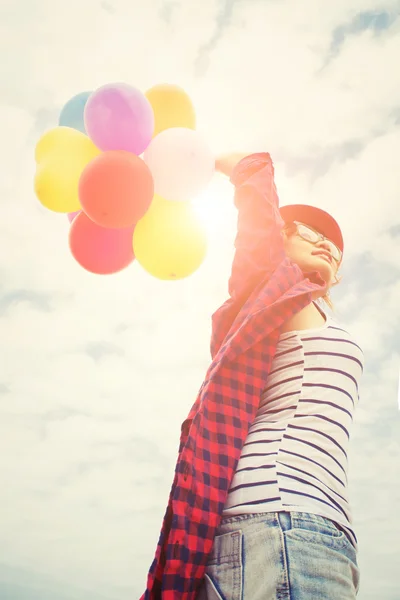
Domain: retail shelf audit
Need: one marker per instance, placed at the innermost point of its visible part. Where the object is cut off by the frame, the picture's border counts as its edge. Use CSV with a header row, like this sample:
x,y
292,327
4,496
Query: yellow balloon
x,y
172,107
169,241
57,180
64,140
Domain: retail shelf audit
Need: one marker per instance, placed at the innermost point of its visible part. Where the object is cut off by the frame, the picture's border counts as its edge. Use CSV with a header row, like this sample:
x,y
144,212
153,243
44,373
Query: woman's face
x,y
304,254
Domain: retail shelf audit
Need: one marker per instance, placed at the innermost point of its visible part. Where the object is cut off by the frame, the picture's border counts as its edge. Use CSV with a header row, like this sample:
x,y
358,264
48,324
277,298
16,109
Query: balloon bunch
x,y
124,166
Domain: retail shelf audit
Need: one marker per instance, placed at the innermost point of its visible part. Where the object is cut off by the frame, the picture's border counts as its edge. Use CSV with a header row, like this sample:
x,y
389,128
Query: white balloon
x,y
181,163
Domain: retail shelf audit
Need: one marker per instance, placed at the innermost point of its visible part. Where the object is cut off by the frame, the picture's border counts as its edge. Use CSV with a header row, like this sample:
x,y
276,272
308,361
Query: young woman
x,y
259,506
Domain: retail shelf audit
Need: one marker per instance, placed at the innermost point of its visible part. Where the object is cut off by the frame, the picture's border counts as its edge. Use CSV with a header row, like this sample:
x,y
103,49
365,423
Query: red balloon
x,y
98,249
116,189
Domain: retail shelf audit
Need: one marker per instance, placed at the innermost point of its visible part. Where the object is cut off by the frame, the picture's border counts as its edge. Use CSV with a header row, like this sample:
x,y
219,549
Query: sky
x,y
98,373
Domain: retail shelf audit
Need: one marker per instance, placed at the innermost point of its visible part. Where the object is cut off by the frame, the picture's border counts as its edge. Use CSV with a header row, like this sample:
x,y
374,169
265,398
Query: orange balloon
x,y
172,107
116,189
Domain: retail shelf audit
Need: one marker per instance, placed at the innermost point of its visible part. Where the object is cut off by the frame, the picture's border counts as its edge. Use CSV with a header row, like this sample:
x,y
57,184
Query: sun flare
x,y
214,206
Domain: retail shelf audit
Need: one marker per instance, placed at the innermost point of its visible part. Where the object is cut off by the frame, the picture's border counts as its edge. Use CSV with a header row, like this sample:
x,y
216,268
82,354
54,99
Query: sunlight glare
x,y
214,206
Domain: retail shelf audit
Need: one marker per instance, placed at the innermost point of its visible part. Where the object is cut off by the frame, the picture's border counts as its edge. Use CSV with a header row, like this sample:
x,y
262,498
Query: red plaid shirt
x,y
266,288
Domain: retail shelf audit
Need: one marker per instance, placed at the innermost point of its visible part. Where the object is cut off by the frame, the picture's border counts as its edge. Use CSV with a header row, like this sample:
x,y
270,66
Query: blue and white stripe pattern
x,y
295,457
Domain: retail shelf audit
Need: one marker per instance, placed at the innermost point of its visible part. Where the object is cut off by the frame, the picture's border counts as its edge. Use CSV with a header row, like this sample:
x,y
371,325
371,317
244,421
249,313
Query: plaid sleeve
x,y
258,244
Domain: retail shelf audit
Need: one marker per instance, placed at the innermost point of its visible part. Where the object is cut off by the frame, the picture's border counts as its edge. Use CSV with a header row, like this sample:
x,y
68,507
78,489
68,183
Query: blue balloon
x,y
72,113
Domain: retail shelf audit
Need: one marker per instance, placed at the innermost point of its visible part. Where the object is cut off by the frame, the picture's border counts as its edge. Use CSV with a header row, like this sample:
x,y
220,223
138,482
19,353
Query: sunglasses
x,y
311,235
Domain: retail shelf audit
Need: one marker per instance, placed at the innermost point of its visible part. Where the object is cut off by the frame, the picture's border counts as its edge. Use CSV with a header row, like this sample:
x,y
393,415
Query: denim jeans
x,y
281,556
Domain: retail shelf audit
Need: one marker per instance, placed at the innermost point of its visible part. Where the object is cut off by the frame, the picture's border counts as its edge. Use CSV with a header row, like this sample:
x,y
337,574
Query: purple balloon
x,y
119,117
71,216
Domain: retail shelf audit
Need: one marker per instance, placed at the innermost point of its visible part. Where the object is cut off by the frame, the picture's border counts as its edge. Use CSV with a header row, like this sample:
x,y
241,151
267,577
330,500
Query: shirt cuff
x,y
250,165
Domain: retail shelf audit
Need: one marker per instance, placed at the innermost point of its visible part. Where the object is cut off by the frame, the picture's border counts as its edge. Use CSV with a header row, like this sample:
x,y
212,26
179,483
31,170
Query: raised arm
x,y
259,245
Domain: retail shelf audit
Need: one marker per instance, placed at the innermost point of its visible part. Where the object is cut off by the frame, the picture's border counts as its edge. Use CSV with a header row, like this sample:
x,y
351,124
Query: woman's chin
x,y
325,270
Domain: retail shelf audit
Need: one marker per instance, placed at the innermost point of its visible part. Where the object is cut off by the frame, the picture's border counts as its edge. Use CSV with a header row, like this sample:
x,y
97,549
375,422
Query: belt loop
x,y
285,520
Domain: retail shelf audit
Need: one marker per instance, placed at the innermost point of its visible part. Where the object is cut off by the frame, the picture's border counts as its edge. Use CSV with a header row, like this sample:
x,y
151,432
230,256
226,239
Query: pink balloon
x,y
98,249
119,117
71,216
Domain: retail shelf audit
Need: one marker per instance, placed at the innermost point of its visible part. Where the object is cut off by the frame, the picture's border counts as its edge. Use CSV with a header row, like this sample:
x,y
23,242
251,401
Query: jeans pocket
x,y
210,590
325,556
322,532
224,572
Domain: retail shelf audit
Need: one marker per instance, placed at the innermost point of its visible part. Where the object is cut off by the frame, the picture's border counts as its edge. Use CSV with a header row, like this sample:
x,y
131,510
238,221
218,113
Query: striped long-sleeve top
x,y
295,456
